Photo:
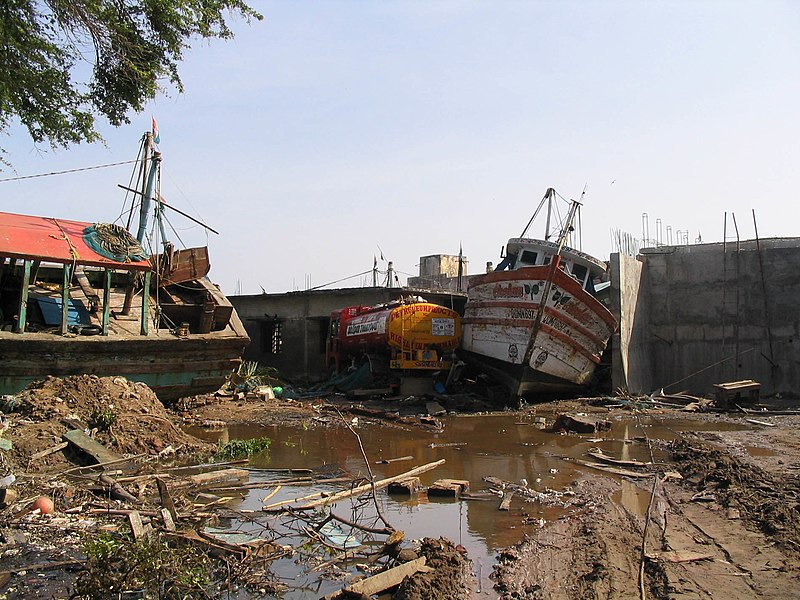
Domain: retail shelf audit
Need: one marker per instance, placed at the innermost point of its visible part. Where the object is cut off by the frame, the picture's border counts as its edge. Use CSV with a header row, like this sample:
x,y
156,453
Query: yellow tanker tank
x,y
422,335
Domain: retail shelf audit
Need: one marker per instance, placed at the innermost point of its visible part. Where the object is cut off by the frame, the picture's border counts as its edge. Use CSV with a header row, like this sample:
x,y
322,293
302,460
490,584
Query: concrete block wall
x,y
706,314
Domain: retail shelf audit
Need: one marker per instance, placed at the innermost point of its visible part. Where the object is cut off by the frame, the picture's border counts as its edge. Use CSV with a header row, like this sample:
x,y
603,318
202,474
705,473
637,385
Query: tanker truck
x,y
409,335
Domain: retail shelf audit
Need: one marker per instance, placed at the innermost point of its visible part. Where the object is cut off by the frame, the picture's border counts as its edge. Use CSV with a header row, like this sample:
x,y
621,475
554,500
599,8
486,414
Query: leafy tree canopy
x,y
127,47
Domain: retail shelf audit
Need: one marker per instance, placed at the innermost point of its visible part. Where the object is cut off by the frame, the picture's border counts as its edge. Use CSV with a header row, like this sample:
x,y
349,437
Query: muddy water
x,y
507,446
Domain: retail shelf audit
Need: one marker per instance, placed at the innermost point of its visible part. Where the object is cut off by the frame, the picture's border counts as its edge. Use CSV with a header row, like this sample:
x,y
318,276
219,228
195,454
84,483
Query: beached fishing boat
x,y
86,298
538,327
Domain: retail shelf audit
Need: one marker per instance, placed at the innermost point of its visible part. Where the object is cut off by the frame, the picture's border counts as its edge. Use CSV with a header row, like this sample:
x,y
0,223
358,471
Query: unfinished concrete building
x,y
697,315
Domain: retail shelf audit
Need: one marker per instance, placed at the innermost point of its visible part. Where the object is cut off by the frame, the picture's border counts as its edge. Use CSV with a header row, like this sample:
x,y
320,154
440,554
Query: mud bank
x,y
678,504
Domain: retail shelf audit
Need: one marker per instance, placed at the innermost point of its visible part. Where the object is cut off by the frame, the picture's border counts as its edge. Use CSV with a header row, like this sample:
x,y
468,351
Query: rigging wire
x,y
172,227
21,177
317,287
188,201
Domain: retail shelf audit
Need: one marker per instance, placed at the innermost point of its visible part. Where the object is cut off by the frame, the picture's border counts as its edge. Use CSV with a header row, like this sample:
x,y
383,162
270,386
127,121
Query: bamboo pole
x,y
320,498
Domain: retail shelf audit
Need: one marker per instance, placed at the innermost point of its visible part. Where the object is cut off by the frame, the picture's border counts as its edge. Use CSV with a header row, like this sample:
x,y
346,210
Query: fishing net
x,y
114,242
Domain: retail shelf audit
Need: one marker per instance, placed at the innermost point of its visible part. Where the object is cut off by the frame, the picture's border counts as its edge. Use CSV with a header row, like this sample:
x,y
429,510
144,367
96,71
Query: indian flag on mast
x,y
156,134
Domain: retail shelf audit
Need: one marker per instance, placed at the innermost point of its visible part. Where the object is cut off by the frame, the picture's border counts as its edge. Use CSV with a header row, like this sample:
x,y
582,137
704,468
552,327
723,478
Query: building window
x,y
271,340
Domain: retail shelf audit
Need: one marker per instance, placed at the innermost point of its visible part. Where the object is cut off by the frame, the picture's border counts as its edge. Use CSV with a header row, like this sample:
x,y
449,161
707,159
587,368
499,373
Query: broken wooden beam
x,y
612,470
598,454
448,488
116,491
139,529
407,486
505,503
212,478
47,452
380,582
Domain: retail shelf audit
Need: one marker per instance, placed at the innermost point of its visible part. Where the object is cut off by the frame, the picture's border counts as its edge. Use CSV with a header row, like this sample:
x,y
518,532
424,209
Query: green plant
x,y
150,565
238,448
102,418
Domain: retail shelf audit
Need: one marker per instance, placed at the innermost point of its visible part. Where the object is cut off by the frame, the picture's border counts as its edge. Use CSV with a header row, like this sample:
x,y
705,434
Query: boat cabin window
x,y
580,272
527,257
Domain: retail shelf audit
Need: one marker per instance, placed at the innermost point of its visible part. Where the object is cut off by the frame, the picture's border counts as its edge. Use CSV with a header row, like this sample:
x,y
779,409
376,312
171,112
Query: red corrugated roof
x,y
54,240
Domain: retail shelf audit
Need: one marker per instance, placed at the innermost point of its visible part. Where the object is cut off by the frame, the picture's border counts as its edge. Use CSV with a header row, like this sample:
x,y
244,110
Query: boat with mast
x,y
87,298
534,323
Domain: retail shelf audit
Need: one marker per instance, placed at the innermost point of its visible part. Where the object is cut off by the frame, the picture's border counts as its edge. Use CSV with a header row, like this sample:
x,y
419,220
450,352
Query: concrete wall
x,y
304,321
706,314
631,364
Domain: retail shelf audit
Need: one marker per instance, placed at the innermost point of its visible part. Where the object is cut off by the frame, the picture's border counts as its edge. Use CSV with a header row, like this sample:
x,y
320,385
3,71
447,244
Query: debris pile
x,y
125,417
767,500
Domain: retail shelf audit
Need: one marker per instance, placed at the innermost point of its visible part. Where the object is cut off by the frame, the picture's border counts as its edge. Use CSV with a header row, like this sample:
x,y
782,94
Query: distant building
x,y
440,272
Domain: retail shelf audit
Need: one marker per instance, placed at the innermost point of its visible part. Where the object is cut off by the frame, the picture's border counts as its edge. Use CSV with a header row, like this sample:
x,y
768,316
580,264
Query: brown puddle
x,y
757,451
508,446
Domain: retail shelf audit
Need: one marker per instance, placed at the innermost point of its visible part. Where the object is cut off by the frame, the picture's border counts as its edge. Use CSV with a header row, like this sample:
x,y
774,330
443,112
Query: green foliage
x,y
102,418
45,45
114,565
249,375
238,448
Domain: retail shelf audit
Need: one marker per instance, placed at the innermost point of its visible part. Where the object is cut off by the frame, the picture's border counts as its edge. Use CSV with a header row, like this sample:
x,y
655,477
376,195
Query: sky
x,y
336,131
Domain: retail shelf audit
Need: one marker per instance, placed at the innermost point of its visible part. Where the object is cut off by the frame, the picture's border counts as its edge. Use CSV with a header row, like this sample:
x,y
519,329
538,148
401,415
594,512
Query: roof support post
x,y
65,298
106,300
146,301
23,296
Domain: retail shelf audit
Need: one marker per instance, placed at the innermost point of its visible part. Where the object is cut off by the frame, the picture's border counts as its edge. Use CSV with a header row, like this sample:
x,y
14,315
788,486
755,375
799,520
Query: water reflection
x,y
506,446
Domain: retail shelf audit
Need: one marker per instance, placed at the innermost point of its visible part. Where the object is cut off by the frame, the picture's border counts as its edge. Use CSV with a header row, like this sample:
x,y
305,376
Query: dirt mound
x,y
448,579
770,501
127,416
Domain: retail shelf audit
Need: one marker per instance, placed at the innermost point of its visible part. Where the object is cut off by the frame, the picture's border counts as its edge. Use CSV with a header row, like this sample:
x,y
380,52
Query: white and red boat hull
x,y
502,327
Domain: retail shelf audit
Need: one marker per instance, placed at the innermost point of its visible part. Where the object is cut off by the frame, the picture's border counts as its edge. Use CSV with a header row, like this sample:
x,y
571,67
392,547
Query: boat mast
x,y
150,160
549,195
154,159
554,264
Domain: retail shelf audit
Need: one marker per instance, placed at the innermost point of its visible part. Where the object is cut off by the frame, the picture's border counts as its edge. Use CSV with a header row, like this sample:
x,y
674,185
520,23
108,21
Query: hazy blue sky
x,y
331,128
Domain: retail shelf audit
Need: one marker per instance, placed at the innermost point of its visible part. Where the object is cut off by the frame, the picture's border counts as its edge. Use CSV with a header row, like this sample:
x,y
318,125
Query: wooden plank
x,y
169,522
139,530
166,499
613,461
505,504
405,486
91,447
213,478
448,487
612,470
387,579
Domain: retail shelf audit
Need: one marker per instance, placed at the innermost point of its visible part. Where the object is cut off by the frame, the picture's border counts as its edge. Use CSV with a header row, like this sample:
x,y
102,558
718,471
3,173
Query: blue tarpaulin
x,y
51,310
